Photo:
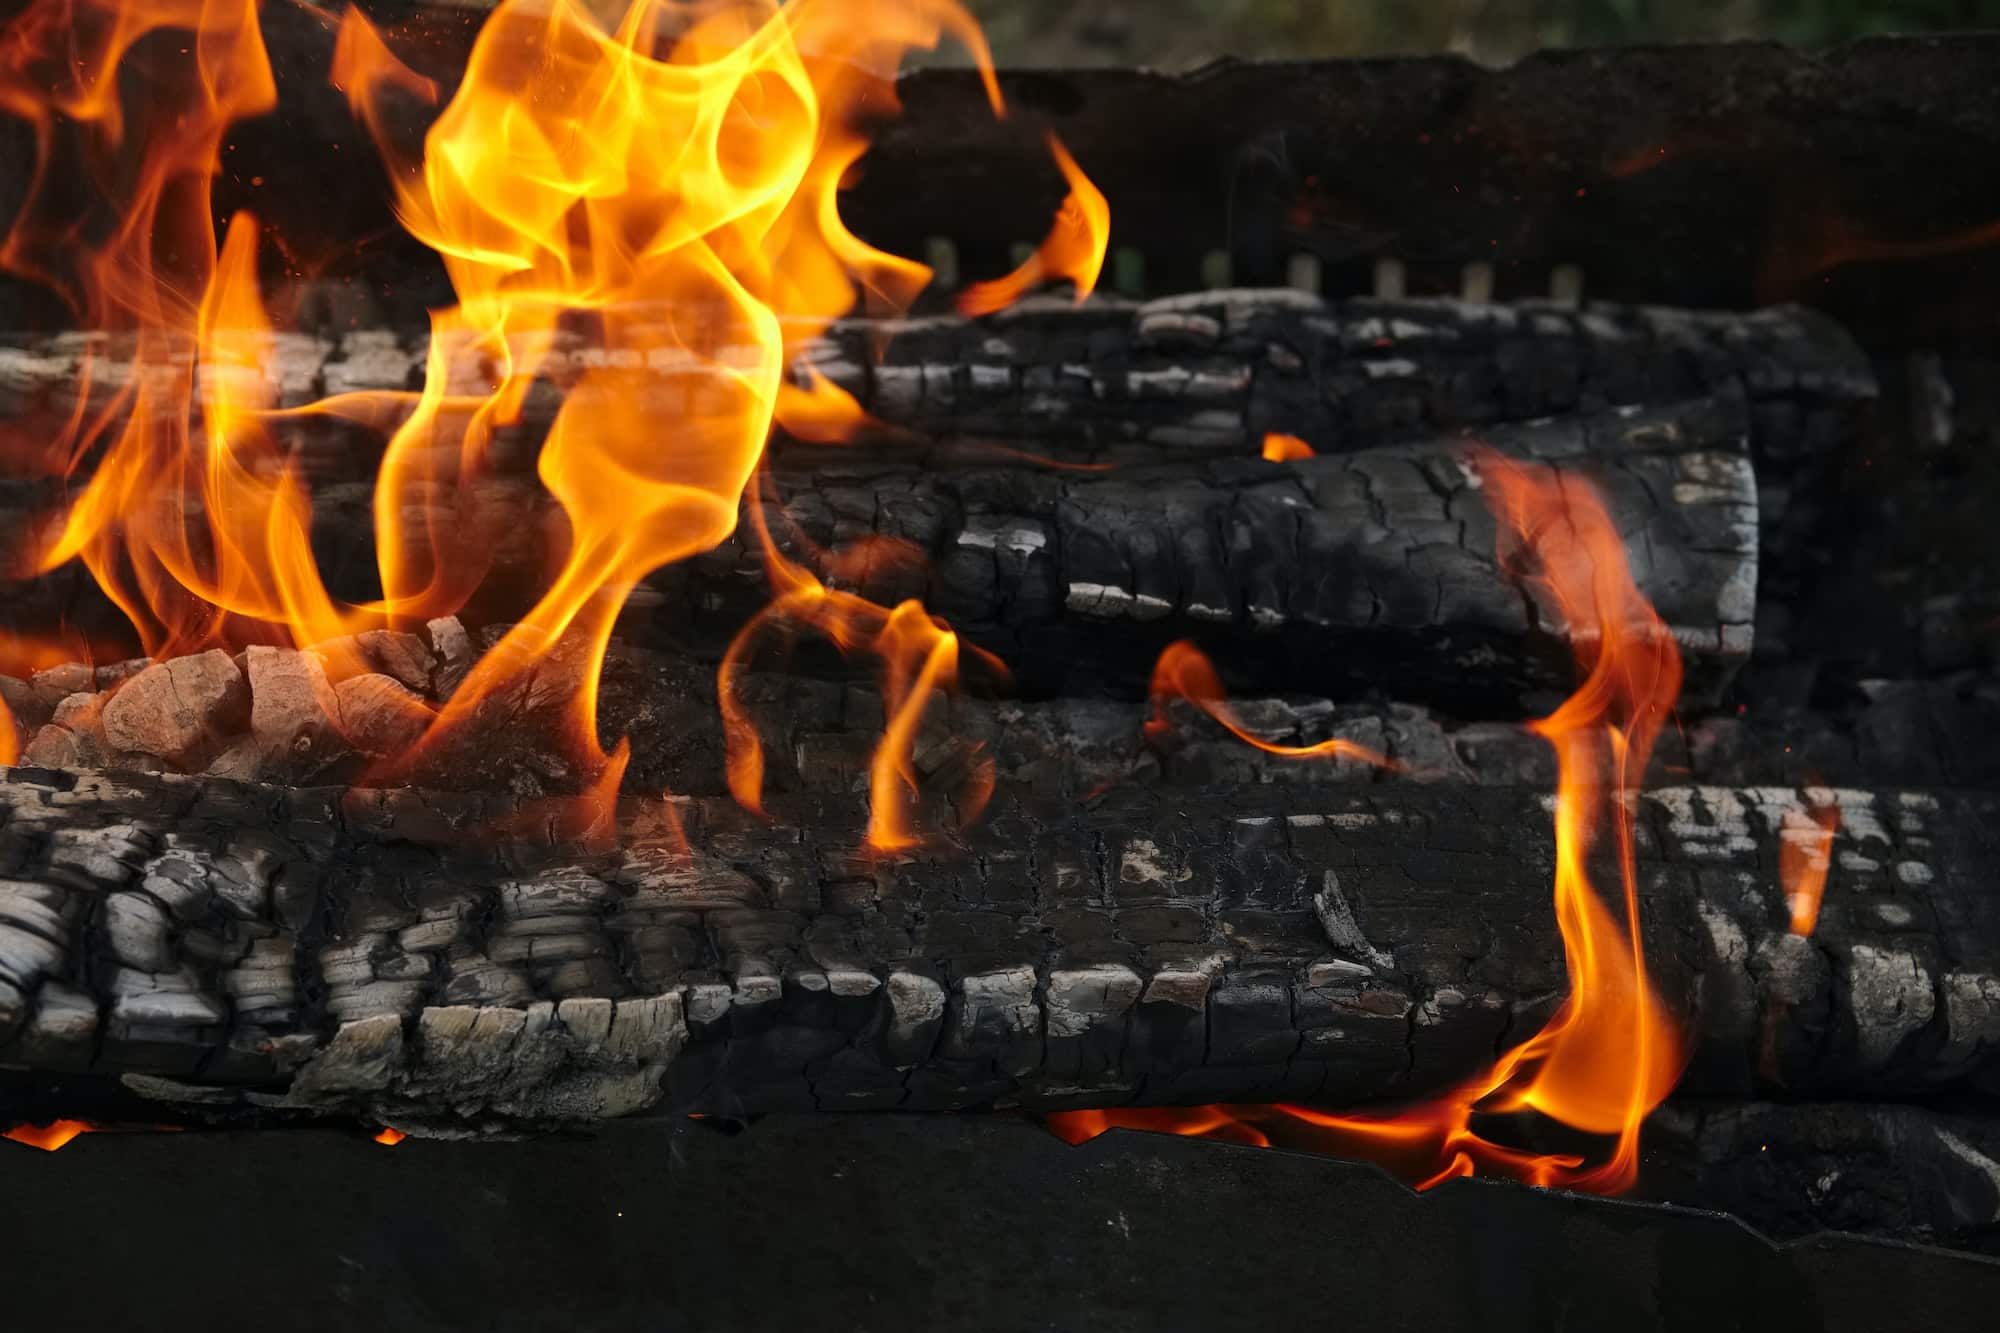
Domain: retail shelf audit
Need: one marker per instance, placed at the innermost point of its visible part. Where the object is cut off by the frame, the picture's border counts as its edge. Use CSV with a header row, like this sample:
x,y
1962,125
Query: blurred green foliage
x,y
1177,33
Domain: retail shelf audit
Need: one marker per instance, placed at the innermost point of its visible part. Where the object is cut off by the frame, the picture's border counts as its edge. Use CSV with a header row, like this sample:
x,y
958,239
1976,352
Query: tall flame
x,y
1610,1054
664,183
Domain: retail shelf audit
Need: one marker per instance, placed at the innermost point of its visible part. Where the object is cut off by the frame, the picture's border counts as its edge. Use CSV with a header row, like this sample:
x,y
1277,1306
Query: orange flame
x,y
1610,1054
389,1137
1073,249
48,1137
664,183
919,657
1805,845
1286,449
1184,672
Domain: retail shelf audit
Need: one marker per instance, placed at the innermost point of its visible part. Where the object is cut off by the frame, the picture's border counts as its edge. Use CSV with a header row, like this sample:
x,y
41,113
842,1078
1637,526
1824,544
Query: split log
x,y
1326,575
386,954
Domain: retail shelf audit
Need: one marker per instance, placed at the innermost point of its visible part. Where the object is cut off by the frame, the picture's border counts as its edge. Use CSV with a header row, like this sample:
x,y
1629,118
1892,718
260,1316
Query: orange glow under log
x,y
1286,449
1074,248
389,1137
1805,853
1610,1054
48,1137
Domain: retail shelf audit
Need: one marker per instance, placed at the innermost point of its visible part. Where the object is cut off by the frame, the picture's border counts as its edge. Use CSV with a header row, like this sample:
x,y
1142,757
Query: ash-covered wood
x,y
385,954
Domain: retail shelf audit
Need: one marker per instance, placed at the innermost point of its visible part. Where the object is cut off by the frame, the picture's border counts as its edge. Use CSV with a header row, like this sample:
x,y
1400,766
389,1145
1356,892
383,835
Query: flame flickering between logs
x,y
1610,1054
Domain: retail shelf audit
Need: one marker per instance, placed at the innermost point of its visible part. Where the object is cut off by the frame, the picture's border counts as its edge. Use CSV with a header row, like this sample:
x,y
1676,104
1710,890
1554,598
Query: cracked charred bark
x,y
260,950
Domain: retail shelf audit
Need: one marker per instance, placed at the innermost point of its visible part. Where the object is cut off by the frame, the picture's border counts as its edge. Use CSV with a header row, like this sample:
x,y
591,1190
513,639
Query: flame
x,y
1805,845
1073,249
48,1137
1184,672
919,656
662,182
389,1137
1610,1054
1285,448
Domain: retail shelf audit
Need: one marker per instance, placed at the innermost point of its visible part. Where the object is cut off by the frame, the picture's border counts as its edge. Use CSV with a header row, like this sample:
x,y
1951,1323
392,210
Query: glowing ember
x,y
1609,1056
388,1137
47,1137
1285,448
1805,850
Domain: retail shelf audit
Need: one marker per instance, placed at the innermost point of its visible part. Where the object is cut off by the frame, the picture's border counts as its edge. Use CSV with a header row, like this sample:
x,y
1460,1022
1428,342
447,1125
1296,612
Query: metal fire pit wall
x,y
887,1222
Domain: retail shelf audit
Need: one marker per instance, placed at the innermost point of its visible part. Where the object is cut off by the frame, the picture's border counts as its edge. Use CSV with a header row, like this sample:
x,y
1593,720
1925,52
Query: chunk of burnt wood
x,y
1335,945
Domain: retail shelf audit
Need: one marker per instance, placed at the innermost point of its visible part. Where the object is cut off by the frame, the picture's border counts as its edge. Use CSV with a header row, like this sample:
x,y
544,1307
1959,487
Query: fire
x,y
919,656
1286,449
1805,844
1610,1054
389,1137
48,1137
663,181
1074,248
1184,672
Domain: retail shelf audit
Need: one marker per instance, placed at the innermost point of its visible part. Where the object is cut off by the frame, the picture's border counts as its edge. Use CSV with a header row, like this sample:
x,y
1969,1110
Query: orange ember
x,y
1609,1055
389,1137
47,1137
1285,449
1805,852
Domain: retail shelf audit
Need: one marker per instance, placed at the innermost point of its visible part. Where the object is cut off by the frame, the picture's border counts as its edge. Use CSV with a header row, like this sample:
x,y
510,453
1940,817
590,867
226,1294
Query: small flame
x,y
1805,847
1609,1055
1286,449
389,1137
1184,672
48,1137
919,656
1073,249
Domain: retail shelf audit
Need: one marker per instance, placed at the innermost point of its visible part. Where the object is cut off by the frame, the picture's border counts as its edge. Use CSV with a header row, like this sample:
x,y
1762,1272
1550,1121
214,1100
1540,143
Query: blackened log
x,y
1927,1173
1327,575
424,958
1203,375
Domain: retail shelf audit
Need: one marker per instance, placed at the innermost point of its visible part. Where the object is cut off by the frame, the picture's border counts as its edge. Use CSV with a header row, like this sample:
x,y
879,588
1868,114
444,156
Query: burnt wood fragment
x,y
385,954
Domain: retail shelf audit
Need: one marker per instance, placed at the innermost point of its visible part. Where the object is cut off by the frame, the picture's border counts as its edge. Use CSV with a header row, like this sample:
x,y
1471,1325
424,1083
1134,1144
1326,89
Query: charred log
x,y
383,953
1202,376
1325,575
